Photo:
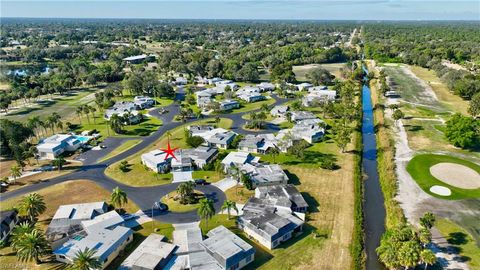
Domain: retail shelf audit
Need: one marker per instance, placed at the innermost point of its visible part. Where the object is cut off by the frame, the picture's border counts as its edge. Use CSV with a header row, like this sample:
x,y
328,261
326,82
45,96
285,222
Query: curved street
x,y
145,197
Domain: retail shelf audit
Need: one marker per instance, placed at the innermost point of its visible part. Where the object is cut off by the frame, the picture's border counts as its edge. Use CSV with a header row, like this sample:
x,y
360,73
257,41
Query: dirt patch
x,y
456,175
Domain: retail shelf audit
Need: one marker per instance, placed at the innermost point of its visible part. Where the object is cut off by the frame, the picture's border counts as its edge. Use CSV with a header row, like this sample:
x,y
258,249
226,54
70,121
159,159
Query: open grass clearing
x,y
138,175
252,106
461,240
239,194
120,149
302,71
172,199
453,102
419,169
38,177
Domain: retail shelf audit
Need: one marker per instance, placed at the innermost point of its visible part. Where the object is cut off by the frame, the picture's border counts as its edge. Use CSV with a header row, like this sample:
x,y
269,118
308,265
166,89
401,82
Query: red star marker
x,y
169,151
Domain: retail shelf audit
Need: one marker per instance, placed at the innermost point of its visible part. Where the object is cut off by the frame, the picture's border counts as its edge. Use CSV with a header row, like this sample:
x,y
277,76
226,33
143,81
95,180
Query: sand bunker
x,y
456,175
442,191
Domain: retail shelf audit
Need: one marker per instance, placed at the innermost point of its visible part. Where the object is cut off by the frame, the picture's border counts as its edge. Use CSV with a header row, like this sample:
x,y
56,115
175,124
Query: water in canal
x,y
373,206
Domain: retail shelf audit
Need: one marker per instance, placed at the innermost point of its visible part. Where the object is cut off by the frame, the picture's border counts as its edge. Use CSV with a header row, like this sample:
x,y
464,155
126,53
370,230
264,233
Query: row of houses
x,y
130,108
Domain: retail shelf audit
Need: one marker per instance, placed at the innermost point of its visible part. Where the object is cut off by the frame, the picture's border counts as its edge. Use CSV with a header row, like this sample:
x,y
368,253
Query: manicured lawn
x,y
210,176
120,149
174,205
239,194
138,175
419,169
462,240
302,71
246,107
144,128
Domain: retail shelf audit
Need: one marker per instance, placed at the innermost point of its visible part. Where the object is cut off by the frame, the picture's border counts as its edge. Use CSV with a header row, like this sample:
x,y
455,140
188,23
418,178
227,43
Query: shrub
x,y
124,166
194,141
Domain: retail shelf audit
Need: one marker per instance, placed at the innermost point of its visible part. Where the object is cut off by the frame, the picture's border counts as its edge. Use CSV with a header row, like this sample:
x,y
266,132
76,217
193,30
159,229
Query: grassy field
x,y
301,71
246,107
461,240
175,205
144,128
138,175
419,169
239,194
35,178
385,158
78,191
120,149
453,102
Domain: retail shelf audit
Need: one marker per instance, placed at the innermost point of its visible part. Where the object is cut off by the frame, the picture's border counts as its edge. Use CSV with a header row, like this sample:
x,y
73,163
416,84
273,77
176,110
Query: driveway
x,y
225,183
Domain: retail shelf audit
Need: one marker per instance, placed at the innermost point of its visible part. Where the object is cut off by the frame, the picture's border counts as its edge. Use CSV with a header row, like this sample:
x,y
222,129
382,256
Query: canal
x,y
373,205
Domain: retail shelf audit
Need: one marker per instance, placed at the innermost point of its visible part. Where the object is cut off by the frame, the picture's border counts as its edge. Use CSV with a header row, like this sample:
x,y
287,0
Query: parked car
x,y
160,206
201,182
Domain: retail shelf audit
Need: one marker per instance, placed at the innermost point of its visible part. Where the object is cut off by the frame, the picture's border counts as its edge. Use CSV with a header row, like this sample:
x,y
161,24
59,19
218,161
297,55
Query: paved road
x,y
144,197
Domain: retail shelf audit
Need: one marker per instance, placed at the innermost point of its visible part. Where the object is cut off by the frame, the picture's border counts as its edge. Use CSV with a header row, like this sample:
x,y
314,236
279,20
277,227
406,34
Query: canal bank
x,y
373,203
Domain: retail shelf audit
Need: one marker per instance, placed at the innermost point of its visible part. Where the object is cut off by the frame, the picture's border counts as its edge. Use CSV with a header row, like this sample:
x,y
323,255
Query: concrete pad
x,y
179,177
225,183
456,175
441,190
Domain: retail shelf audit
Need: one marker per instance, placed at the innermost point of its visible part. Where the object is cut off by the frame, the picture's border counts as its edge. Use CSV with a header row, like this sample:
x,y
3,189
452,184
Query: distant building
x,y
266,86
181,81
152,254
229,250
251,97
142,102
282,196
201,155
304,86
8,220
186,159
265,174
137,59
280,111
204,98
227,105
122,109
320,96
57,144
260,143
238,159
218,137
302,115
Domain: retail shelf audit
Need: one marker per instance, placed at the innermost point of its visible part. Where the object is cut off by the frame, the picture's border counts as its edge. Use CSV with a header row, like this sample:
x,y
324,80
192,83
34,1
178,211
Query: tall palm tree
x,y
59,162
228,205
85,260
86,111
428,257
116,123
206,210
169,134
32,205
118,198
18,232
274,152
79,111
16,172
32,246
33,123
93,110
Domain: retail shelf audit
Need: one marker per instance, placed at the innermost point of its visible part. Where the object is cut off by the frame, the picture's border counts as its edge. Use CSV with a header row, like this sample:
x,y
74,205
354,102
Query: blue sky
x,y
247,9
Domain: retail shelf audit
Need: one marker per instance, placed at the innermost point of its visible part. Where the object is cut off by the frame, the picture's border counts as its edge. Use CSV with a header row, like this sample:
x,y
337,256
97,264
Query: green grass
x,y
120,149
246,107
144,128
461,240
138,175
419,169
176,206
302,71
140,234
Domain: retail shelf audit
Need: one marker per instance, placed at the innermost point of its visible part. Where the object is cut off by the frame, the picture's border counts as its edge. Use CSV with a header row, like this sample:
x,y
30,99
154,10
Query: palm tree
x,y
79,112
86,110
274,152
116,123
32,246
33,123
169,134
118,198
206,210
428,220
32,205
59,162
93,110
85,260
228,205
185,190
18,232
16,172
428,257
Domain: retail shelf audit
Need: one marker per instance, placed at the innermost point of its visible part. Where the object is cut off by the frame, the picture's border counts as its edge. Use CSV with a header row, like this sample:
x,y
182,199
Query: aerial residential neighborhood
x,y
271,135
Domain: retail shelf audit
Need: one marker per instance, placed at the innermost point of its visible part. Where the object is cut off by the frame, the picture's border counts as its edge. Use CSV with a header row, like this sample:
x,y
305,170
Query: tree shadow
x,y
457,238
